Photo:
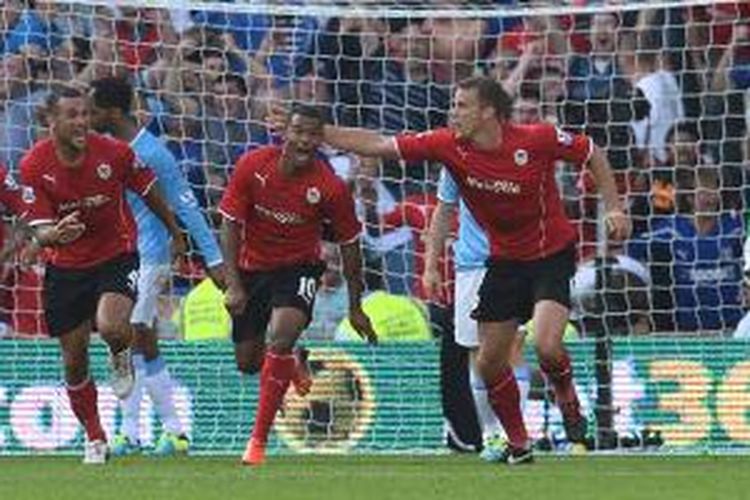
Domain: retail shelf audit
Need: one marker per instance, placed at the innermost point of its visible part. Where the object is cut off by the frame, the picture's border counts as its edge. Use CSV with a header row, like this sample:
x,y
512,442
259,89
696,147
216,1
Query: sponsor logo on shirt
x,y
284,218
718,274
496,186
94,201
104,171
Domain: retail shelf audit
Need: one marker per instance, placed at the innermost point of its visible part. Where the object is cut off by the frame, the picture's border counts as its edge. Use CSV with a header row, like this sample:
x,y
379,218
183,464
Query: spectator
x,y
141,33
341,55
599,95
287,36
694,258
402,95
228,129
20,27
611,296
20,95
649,75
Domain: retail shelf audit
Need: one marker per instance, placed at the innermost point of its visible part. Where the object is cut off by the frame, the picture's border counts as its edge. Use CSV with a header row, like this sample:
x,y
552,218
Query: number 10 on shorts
x,y
307,288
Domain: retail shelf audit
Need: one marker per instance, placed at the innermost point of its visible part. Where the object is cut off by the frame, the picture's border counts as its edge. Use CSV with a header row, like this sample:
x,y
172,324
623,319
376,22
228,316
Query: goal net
x,y
657,328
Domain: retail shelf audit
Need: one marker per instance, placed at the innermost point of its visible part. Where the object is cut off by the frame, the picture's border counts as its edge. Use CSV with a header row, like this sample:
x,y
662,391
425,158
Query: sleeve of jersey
x,y
182,201
40,209
12,196
424,145
340,211
574,148
235,201
138,177
447,188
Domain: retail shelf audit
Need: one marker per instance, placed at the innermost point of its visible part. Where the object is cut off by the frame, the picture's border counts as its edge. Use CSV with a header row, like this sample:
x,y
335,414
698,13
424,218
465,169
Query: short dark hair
x,y
308,111
112,92
490,93
61,91
236,79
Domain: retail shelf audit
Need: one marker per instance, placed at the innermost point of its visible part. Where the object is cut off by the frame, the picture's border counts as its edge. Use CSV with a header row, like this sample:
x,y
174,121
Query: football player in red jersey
x,y
506,175
276,207
81,217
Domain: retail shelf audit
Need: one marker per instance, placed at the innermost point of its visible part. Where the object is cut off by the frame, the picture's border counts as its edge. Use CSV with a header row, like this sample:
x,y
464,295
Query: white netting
x,y
661,86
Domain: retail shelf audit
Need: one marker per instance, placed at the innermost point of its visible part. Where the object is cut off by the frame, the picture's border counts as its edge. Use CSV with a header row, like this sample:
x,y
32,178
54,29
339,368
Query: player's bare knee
x,y
282,344
547,347
117,333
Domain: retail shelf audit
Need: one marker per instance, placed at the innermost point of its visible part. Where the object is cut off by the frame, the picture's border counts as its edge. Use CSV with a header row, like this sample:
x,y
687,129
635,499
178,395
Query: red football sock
x,y
559,373
278,370
83,403
506,402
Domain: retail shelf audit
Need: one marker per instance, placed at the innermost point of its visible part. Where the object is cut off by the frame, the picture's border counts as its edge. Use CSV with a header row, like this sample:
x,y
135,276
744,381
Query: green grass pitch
x,y
379,478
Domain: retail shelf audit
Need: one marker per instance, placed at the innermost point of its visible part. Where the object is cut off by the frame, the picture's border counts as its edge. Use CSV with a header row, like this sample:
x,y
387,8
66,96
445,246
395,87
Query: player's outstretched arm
x,y
235,298
351,261
618,222
158,206
437,235
182,202
361,141
355,140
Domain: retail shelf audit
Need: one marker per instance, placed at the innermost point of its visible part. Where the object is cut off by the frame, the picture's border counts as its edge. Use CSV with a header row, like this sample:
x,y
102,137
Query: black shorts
x,y
293,286
71,296
511,288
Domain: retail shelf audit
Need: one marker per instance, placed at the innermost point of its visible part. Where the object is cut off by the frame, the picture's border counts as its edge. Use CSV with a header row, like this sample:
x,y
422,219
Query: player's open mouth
x,y
303,156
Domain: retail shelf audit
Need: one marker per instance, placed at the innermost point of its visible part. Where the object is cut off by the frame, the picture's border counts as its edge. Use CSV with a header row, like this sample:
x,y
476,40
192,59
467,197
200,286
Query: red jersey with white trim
x,y
283,215
511,191
96,188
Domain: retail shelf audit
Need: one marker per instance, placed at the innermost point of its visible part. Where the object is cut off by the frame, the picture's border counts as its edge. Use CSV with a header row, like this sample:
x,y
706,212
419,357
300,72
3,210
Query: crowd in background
x,y
665,92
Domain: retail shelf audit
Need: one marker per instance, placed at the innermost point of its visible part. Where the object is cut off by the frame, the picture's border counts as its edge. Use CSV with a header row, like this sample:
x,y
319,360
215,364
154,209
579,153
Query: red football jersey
x,y
511,191
284,216
96,188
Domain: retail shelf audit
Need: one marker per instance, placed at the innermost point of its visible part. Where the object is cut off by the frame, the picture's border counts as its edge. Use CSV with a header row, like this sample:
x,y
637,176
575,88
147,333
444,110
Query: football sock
x,y
487,418
83,403
131,406
277,372
559,373
159,386
504,397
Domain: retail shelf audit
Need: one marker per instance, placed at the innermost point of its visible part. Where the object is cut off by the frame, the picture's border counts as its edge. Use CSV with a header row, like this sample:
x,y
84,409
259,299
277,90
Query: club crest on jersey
x,y
521,157
27,195
313,196
104,171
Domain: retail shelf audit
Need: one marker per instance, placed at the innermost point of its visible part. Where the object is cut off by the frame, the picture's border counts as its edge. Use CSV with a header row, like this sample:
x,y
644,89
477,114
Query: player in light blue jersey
x,y
111,105
470,253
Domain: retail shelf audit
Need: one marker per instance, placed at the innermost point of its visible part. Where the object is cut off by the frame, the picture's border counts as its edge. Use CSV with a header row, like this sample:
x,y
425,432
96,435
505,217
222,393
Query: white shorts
x,y
151,281
466,299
